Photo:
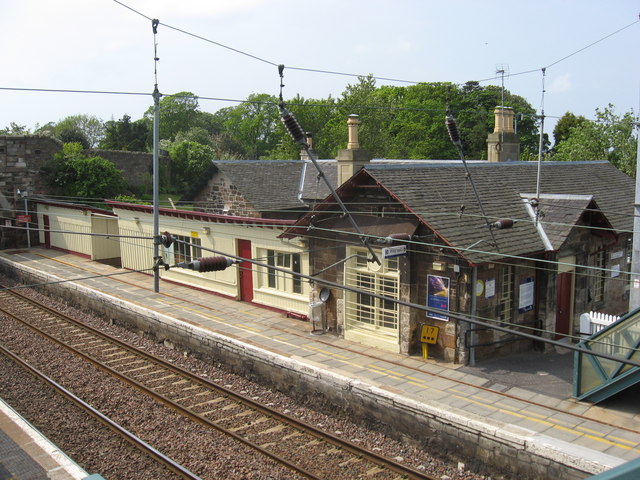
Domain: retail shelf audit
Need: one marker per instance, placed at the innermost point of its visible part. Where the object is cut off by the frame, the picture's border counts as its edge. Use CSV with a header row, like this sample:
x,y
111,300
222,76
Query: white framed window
x,y
363,310
178,252
506,294
288,281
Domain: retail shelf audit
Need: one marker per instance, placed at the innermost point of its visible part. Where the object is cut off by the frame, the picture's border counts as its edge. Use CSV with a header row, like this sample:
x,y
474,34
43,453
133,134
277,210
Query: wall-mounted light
x,y
206,230
137,220
439,266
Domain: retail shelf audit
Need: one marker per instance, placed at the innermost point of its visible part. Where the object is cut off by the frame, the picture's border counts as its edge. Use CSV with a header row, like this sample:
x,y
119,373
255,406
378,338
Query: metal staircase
x,y
595,378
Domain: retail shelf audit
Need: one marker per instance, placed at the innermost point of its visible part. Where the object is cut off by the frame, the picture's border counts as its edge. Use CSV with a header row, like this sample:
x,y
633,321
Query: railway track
x,y
301,447
118,431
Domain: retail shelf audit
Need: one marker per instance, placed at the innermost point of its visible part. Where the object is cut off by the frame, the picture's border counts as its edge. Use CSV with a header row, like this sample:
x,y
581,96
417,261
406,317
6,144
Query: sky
x,y
108,46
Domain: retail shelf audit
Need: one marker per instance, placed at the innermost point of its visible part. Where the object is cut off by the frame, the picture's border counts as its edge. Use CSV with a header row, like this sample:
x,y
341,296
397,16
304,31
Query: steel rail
x,y
295,423
137,442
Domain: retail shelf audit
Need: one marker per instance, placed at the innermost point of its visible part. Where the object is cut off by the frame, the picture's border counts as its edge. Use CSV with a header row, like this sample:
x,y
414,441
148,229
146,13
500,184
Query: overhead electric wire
x,y
314,70
64,90
458,249
293,68
590,271
313,278
461,317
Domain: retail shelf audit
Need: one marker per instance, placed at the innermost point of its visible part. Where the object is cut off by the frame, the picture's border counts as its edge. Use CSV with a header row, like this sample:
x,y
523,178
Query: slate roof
x,y
271,185
267,184
435,192
558,215
315,188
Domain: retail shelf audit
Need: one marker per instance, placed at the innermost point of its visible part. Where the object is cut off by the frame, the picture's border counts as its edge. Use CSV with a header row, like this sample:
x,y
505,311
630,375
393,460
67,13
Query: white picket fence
x,y
593,322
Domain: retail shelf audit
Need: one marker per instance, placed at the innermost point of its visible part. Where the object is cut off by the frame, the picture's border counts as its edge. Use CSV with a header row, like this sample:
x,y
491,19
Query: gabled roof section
x,y
266,184
441,196
559,214
271,185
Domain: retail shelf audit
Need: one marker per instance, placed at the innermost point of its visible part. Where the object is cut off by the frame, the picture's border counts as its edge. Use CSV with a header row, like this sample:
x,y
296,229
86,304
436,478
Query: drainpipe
x,y
474,305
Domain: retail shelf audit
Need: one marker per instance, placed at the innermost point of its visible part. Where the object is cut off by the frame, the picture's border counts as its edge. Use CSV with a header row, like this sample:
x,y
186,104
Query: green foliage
x,y
408,122
87,130
189,160
178,113
74,175
313,115
131,199
252,124
196,134
94,177
14,129
562,130
610,137
124,134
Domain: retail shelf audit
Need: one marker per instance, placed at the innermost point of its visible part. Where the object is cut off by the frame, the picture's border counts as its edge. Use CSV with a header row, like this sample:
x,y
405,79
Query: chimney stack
x,y
503,145
303,152
353,158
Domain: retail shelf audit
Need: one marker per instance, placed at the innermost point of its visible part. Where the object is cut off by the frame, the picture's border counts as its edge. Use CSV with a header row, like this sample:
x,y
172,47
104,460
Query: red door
x,y
47,233
246,272
563,304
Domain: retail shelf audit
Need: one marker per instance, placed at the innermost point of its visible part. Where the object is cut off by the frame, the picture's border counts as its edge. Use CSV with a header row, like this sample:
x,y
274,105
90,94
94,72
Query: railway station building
x,y
513,257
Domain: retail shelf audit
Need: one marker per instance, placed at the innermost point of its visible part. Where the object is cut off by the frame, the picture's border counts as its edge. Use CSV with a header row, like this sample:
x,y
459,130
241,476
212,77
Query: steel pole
x,y
156,188
26,212
634,290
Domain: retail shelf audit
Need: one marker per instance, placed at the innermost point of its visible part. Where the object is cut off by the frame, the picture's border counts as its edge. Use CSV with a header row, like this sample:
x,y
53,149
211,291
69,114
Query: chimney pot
x,y
503,120
353,124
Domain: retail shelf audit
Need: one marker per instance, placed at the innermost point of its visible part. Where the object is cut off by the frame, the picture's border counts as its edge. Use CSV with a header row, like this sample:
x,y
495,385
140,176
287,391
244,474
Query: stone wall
x,y
21,160
136,167
222,197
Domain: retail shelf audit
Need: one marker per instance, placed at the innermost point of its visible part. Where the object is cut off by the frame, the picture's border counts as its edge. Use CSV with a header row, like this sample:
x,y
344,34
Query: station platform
x,y
26,454
515,414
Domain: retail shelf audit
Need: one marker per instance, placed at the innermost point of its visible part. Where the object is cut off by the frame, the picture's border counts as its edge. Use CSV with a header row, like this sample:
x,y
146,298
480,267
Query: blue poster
x,y
438,295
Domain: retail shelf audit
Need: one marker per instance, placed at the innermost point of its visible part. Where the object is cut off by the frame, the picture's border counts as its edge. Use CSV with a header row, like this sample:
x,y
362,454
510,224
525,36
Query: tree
x,y
178,113
189,160
252,124
196,134
610,137
14,129
87,130
74,175
562,130
126,135
313,116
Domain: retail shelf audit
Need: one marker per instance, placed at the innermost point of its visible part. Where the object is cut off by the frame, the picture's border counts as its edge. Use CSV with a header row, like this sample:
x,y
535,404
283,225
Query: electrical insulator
x,y
502,224
207,264
166,239
452,127
292,126
394,238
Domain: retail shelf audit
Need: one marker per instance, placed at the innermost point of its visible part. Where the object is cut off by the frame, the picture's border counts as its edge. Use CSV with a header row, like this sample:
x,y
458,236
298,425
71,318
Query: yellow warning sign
x,y
429,334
